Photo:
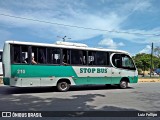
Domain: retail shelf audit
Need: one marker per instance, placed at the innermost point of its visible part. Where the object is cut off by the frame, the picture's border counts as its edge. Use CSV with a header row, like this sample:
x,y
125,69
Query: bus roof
x,y
64,45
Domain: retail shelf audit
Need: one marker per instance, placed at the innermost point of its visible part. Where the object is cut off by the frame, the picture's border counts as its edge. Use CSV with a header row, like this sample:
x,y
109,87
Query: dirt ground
x,y
141,80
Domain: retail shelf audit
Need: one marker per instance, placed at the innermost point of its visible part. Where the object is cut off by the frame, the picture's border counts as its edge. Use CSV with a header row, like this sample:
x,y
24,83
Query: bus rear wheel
x,y
63,86
123,84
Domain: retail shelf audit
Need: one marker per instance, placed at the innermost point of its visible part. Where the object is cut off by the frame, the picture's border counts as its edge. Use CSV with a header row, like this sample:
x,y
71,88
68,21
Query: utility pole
x,y
151,59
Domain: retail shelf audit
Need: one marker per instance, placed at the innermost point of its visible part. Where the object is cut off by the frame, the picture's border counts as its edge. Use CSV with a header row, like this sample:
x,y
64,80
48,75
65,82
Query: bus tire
x,y
123,84
63,86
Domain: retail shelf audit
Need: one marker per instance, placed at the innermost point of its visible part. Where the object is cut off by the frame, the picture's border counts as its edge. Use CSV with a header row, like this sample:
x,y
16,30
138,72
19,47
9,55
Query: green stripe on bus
x,y
25,71
102,80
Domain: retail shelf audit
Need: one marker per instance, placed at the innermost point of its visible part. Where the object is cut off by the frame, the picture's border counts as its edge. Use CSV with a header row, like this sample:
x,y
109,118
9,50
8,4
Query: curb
x,y
148,80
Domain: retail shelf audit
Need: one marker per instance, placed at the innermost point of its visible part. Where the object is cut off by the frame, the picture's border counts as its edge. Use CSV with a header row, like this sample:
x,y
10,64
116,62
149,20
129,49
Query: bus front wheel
x,y
63,86
123,84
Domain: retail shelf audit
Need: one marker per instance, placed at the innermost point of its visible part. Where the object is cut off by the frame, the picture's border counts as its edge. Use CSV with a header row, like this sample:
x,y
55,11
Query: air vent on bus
x,y
71,44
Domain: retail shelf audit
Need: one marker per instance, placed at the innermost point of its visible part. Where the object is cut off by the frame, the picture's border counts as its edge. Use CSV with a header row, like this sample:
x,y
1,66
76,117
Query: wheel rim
x,y
63,85
123,84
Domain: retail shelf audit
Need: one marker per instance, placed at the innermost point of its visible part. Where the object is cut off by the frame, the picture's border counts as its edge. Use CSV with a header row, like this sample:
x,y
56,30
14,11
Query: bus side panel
x,y
6,64
80,75
118,74
130,74
92,75
25,71
40,75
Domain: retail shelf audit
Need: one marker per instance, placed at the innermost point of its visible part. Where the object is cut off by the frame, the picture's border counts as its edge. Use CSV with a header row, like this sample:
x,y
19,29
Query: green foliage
x,y
139,71
157,51
143,61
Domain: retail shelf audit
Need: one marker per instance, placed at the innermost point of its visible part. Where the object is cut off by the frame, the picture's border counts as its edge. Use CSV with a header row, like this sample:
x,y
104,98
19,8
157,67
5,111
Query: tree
x,y
157,51
143,61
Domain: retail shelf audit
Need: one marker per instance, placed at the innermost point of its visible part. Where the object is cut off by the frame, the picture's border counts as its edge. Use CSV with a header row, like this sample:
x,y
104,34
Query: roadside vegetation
x,y
143,62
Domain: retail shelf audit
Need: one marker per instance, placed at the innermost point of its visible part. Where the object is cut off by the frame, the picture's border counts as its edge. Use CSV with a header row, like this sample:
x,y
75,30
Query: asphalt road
x,y
138,97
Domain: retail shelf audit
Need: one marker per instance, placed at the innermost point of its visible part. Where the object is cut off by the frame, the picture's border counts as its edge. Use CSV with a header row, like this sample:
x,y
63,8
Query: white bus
x,y
64,64
1,71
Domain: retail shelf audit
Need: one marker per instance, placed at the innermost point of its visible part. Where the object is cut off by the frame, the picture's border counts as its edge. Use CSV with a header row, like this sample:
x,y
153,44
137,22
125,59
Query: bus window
x,y
15,54
123,61
19,54
66,57
53,56
101,58
91,58
75,57
78,57
127,62
84,57
39,54
24,54
116,60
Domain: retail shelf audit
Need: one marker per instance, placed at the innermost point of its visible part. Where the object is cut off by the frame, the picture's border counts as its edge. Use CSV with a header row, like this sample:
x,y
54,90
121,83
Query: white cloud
x,y
142,6
144,37
110,43
73,18
76,14
147,49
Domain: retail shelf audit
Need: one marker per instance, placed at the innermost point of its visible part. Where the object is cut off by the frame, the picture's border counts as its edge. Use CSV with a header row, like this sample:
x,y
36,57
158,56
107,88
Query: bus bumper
x,y
6,81
133,79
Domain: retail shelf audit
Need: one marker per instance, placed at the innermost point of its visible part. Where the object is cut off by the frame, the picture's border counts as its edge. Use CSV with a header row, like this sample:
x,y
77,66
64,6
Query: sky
x,y
130,25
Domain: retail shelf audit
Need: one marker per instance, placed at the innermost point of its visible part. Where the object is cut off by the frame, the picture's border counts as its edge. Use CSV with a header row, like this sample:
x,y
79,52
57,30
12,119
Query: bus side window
x,y
39,54
53,56
42,55
84,57
66,57
101,58
91,58
116,60
19,54
75,57
127,62
78,57
24,54
16,54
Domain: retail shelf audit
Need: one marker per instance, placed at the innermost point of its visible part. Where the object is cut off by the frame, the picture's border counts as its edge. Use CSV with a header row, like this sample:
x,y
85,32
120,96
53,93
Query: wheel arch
x,y
64,79
125,79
